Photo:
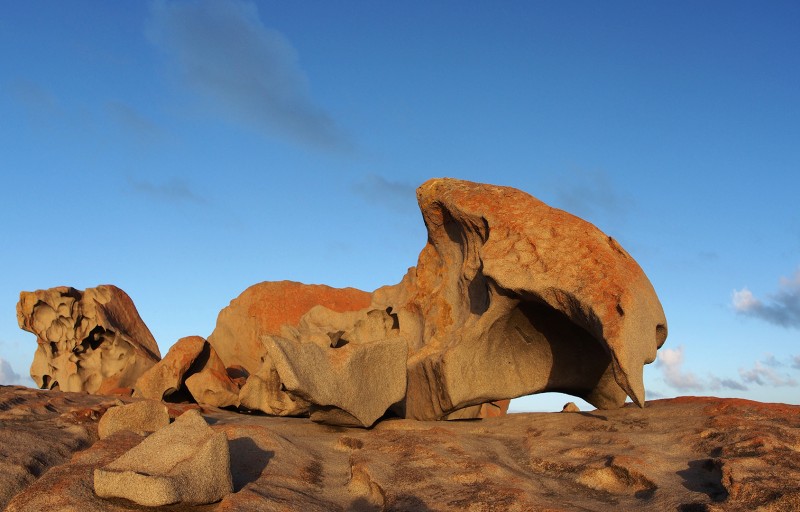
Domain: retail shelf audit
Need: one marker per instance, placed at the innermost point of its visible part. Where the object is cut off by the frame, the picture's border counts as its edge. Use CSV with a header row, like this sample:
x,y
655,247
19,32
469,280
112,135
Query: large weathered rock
x,y
138,417
90,341
190,370
512,297
264,308
186,462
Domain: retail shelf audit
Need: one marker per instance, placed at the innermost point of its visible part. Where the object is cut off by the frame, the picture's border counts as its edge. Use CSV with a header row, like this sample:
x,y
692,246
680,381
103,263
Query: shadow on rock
x,y
704,475
247,461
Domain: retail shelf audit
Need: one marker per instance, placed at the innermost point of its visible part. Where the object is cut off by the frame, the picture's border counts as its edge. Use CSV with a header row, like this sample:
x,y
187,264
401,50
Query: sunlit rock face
x,y
91,341
511,297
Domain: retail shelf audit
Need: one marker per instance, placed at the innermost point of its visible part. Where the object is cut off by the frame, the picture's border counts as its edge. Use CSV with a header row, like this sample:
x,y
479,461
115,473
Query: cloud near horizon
x,y
7,374
670,360
248,72
766,376
782,308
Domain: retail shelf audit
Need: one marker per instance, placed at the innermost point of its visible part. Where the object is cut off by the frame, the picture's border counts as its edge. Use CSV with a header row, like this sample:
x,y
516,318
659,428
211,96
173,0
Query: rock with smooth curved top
x,y
265,309
92,340
511,297
185,462
190,370
138,417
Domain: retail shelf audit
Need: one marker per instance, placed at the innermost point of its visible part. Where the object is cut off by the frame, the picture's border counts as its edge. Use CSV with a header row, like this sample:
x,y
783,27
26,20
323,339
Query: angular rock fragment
x,y
138,417
191,366
91,341
186,462
350,385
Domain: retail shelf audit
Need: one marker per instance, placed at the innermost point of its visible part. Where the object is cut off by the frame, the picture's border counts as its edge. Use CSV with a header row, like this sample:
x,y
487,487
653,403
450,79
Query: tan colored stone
x,y
186,462
570,407
262,392
264,308
361,379
191,366
138,417
91,341
167,377
211,385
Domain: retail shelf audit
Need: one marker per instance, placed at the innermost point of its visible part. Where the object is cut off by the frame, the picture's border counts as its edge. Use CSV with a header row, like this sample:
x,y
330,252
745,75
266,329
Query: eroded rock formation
x,y
509,297
90,341
190,370
265,309
512,297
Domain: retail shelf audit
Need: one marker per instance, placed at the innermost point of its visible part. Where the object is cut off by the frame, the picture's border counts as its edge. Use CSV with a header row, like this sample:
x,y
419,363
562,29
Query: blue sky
x,y
186,150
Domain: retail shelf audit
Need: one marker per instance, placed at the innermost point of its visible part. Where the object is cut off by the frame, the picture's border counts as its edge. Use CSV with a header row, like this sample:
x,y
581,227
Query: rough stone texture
x,y
138,417
570,407
167,377
685,454
361,380
262,392
186,462
90,341
512,297
264,308
191,370
212,385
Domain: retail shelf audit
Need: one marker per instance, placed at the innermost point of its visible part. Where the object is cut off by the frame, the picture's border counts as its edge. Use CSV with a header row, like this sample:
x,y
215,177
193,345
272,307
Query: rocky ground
x,y
686,454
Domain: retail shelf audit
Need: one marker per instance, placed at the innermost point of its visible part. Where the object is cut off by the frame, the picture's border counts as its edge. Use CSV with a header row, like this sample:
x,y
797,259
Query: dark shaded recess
x,y
182,394
579,359
693,507
406,503
363,505
247,461
478,293
395,320
704,475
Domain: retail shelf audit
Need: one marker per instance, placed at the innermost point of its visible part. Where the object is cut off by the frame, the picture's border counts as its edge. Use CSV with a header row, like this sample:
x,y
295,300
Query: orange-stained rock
x,y
190,370
264,308
167,377
91,341
512,297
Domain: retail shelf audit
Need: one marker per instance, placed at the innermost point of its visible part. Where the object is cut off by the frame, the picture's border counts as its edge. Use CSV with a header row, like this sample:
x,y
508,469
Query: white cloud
x,y
796,362
247,72
766,376
7,373
782,308
670,360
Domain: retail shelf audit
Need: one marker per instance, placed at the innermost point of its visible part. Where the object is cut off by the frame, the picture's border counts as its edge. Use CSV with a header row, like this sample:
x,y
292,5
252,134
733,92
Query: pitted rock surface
x,y
93,341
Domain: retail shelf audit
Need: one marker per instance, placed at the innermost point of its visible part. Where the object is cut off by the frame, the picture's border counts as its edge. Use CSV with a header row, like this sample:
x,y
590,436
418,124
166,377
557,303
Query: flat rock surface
x,y
685,454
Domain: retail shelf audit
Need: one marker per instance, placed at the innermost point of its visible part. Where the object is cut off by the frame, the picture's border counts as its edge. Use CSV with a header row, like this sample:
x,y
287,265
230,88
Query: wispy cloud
x,y
131,120
396,195
782,307
796,362
250,73
7,373
174,190
766,376
39,102
670,360
717,383
588,194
